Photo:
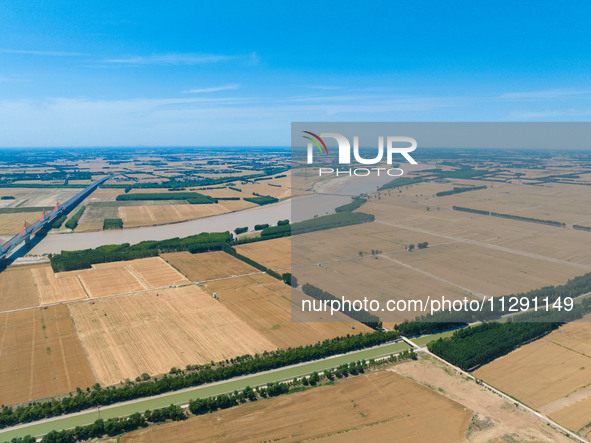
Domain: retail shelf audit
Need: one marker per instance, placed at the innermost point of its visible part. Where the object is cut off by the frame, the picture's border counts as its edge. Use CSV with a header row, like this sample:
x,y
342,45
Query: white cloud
x,y
545,95
172,59
228,87
49,53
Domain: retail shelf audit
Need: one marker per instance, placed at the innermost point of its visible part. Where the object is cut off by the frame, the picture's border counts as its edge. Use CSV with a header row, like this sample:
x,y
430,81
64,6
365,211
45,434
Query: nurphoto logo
x,y
393,146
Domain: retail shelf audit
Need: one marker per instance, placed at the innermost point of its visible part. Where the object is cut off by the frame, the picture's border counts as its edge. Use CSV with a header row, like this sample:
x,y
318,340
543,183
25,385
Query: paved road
x,y
183,396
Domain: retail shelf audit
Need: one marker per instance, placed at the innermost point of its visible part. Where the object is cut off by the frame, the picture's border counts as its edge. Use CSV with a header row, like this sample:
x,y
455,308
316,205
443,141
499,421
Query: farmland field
x,y
274,254
208,265
154,331
17,288
550,374
421,400
109,279
55,288
264,303
366,408
41,355
155,272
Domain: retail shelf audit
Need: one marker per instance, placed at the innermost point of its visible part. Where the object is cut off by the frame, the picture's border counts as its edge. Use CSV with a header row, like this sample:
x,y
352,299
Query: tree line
x,y
193,198
362,316
356,203
261,200
511,216
192,376
459,190
469,348
73,222
72,260
443,320
115,426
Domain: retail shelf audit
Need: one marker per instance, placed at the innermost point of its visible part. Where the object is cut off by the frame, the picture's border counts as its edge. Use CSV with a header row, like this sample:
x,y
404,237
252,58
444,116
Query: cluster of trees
x,y
317,224
331,221
418,327
289,279
529,219
400,182
465,172
510,216
230,250
458,190
373,252
362,316
7,197
235,189
239,231
443,320
276,232
112,223
73,222
423,245
196,375
477,345
58,222
261,200
473,211
261,226
115,426
72,260
356,203
283,222
193,198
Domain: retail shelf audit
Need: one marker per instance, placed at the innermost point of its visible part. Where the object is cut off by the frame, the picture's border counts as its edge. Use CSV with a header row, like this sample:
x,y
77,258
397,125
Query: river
x,y
328,195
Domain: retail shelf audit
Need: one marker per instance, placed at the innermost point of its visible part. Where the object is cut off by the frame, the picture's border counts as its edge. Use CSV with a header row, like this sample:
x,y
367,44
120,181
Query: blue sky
x,y
190,73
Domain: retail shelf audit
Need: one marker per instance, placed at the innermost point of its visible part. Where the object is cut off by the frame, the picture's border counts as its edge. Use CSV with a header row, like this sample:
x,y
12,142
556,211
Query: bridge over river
x,y
46,219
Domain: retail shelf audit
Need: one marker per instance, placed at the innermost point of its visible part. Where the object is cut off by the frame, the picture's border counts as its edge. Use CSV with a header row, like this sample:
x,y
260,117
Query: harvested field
x,y
54,288
146,215
436,216
109,279
387,279
551,374
154,331
41,355
491,272
17,288
155,272
208,265
274,254
508,422
264,303
372,407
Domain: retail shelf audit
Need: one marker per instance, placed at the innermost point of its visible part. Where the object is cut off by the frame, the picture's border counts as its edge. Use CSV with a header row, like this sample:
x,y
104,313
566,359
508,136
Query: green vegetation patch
x,y
72,260
112,223
73,222
193,198
261,200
